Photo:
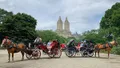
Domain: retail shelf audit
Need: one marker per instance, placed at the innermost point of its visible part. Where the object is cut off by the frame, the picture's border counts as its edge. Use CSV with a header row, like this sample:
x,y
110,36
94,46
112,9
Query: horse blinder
x,y
5,43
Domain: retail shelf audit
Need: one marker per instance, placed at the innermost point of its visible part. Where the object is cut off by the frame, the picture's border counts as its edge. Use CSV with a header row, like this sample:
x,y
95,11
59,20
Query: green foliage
x,y
94,35
47,35
111,20
3,14
111,23
19,27
116,50
76,40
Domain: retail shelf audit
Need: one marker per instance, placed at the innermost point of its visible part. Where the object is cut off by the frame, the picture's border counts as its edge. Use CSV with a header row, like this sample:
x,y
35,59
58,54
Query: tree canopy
x,y
19,27
47,35
111,20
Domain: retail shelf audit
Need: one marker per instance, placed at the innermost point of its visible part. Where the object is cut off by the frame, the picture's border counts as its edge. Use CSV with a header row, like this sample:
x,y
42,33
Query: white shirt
x,y
49,43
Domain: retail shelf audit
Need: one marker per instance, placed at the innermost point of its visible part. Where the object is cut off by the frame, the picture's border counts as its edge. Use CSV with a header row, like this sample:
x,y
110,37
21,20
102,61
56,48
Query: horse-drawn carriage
x,y
85,50
52,51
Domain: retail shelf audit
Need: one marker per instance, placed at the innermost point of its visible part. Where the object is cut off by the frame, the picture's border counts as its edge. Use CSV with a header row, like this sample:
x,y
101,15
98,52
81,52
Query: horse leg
x,y
95,53
108,54
8,57
98,53
22,52
12,56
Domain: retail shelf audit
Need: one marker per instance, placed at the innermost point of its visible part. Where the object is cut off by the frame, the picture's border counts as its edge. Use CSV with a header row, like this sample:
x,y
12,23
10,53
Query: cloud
x,y
83,15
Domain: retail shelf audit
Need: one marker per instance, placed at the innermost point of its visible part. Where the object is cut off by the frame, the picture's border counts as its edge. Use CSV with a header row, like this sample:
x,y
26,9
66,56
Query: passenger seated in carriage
x,y
83,43
48,44
91,44
87,44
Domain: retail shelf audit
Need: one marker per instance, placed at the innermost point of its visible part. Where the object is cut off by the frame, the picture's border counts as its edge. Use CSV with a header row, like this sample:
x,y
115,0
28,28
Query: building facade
x,y
63,31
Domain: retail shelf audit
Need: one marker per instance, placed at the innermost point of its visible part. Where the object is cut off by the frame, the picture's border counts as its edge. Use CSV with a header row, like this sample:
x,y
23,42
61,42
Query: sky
x,y
83,15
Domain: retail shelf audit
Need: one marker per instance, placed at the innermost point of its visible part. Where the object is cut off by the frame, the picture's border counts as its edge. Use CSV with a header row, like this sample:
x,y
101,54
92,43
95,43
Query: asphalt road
x,y
63,62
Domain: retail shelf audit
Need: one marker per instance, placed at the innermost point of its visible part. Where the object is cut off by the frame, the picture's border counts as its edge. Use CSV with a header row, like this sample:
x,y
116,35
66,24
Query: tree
x,y
19,27
97,36
3,14
47,35
111,20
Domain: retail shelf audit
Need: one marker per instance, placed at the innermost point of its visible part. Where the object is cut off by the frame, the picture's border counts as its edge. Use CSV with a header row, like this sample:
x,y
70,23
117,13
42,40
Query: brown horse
x,y
13,48
106,47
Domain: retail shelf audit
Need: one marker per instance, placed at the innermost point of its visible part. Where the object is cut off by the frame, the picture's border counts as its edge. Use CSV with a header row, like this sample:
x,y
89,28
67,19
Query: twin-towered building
x,y
63,29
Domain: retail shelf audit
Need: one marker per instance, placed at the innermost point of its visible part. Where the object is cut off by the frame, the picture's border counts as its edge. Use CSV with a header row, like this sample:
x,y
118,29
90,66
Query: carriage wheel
x,y
38,54
51,55
84,53
29,56
90,54
70,52
57,52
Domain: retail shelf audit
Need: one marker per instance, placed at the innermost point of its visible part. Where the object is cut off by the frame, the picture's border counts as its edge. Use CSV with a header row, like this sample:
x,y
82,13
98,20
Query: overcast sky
x,y
83,15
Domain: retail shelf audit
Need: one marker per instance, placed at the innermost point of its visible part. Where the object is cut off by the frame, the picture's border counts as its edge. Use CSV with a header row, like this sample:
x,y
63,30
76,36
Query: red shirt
x,y
62,45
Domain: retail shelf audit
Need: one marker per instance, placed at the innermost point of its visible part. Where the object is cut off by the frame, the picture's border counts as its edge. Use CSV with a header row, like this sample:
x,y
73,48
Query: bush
x,y
47,35
116,50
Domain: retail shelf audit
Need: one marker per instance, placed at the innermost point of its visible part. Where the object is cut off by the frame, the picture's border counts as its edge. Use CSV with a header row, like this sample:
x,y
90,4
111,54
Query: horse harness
x,y
11,45
109,45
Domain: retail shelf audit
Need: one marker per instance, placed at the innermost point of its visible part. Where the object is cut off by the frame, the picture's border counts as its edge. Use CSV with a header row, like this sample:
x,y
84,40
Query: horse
x,y
13,48
106,47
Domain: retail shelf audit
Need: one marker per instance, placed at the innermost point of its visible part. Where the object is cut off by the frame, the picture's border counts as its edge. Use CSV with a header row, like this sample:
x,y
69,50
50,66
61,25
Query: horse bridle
x,y
5,42
116,43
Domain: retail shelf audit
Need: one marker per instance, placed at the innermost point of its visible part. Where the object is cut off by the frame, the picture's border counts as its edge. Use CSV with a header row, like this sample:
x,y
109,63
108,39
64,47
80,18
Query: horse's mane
x,y
15,43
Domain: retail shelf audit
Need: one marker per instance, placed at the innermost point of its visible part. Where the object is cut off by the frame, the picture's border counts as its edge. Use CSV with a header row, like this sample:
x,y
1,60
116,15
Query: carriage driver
x,y
37,41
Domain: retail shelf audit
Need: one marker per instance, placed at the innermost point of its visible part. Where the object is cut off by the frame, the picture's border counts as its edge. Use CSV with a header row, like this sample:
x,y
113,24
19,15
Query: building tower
x,y
59,24
63,32
67,25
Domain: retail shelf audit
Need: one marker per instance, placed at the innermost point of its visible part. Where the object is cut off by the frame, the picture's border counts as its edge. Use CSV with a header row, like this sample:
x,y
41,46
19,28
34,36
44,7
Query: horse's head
x,y
5,42
114,43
